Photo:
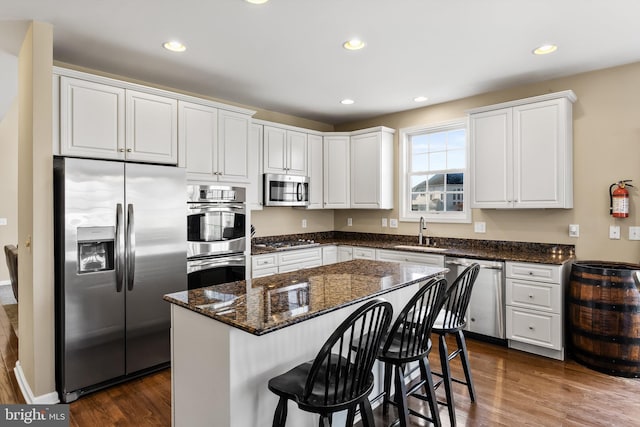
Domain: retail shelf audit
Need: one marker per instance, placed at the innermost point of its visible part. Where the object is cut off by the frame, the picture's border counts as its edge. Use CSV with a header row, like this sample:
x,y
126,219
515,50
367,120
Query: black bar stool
x,y
451,320
408,341
340,376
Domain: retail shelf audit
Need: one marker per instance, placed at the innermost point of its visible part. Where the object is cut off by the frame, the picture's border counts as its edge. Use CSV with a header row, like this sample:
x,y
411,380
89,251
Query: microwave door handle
x,y
299,192
119,255
131,247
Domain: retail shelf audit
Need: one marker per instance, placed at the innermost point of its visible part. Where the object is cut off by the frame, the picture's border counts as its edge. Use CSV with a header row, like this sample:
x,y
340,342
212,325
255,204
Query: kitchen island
x,y
228,340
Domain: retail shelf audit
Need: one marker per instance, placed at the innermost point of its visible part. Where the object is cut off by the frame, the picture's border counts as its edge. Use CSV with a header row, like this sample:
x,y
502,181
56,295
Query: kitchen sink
x,y
420,248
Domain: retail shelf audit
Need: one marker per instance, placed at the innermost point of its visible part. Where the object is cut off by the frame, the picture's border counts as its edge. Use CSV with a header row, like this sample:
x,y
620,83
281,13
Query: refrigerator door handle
x,y
131,248
119,249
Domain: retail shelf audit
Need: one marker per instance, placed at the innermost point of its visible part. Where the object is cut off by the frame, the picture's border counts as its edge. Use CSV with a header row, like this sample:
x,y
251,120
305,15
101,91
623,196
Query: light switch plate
x,y
634,233
393,223
384,222
480,227
614,232
349,222
304,223
3,221
574,230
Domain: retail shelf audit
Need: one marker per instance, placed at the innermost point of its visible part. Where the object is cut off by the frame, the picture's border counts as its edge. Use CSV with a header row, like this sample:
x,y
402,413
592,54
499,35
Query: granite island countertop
x,y
262,305
493,250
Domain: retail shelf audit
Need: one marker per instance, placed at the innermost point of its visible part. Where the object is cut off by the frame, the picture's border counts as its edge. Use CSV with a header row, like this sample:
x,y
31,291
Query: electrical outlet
x,y
480,227
574,230
614,232
384,222
304,223
3,221
393,223
349,222
634,233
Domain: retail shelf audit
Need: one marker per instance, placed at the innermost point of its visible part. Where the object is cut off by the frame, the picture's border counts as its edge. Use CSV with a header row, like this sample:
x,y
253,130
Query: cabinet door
x,y
365,171
198,132
336,172
540,155
92,119
152,128
297,153
345,253
274,150
233,146
491,159
315,171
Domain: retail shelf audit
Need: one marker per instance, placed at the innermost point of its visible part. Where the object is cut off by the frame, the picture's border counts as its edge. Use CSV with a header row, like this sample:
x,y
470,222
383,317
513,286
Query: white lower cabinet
x,y
345,253
264,265
364,253
285,261
329,254
535,307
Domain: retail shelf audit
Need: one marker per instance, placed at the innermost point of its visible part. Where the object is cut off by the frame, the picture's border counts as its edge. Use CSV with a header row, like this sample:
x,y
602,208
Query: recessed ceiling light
x,y
353,44
174,46
256,1
545,49
420,98
347,101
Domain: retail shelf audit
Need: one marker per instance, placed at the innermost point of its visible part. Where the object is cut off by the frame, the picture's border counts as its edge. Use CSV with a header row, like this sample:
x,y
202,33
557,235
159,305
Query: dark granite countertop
x,y
266,304
542,253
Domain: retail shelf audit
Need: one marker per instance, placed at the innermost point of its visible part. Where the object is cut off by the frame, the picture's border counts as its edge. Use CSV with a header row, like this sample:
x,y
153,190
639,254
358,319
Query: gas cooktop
x,y
287,244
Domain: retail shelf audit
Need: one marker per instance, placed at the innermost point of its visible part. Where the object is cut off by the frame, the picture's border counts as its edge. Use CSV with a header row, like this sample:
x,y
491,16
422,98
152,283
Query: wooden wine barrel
x,y
604,316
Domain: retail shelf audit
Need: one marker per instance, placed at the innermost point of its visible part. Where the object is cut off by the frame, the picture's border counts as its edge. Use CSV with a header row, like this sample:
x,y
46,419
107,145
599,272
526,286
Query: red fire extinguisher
x,y
619,199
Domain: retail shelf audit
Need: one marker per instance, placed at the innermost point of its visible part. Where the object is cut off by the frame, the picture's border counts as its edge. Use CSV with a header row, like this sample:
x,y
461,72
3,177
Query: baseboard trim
x,y
44,399
5,282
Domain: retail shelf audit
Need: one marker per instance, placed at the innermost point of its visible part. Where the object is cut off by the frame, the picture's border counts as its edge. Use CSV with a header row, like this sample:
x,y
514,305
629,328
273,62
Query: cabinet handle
x,y
129,150
473,319
531,296
531,273
531,328
121,150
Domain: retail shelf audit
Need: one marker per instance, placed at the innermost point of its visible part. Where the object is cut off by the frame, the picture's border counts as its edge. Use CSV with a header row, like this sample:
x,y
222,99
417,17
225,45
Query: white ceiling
x,y
286,55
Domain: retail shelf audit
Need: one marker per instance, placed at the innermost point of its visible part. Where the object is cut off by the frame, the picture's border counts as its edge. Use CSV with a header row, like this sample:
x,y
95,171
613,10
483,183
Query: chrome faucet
x,y
422,226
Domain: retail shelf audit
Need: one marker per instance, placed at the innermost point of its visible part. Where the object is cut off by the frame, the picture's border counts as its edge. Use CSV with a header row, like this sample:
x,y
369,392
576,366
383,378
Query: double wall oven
x,y
216,235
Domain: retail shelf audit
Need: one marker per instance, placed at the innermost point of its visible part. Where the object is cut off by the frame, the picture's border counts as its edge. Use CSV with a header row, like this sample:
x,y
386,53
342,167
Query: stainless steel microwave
x,y
286,190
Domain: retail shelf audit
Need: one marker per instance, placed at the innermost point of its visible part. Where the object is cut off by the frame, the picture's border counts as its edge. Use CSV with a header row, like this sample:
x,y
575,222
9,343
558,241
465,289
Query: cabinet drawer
x,y
263,272
300,256
263,261
535,295
537,272
534,327
364,253
299,266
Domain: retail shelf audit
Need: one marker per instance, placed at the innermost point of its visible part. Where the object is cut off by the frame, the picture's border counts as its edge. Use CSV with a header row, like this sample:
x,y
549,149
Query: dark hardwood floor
x,y
513,388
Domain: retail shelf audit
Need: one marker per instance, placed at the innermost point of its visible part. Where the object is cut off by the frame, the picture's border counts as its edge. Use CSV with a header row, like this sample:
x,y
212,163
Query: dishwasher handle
x,y
467,264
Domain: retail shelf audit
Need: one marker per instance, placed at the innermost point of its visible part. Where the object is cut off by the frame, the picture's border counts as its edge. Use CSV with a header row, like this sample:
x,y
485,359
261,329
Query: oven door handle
x,y
194,209
205,264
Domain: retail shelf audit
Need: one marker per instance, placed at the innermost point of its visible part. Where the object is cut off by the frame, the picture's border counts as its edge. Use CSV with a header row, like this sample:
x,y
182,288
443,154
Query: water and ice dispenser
x,y
96,249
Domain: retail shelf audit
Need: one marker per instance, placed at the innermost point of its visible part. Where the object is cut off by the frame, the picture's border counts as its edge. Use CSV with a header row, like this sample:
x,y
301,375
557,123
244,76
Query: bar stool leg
x,y
387,389
464,356
366,413
401,396
446,376
425,371
280,416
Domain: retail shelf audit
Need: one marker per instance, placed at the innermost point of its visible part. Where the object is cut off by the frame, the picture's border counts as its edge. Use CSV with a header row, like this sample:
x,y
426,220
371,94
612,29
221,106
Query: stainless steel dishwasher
x,y
486,309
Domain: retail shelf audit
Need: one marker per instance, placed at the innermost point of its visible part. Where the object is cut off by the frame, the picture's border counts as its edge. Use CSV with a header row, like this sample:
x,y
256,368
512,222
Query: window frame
x,y
406,214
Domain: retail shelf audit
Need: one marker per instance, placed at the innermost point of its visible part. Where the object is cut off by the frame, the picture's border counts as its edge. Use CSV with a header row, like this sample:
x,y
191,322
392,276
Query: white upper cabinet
x,y
214,143
104,118
315,171
285,151
233,146
521,153
151,128
372,169
92,117
336,172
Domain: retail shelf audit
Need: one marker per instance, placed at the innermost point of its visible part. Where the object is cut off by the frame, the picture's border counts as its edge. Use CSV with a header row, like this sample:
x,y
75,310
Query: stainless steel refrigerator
x,y
120,239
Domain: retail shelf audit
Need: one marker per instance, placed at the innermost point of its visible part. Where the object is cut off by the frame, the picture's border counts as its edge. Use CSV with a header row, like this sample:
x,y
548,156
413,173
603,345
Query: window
x,y
433,168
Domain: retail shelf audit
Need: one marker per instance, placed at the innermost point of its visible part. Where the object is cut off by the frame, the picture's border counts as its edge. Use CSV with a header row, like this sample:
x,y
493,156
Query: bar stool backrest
x,y
342,369
409,336
458,297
